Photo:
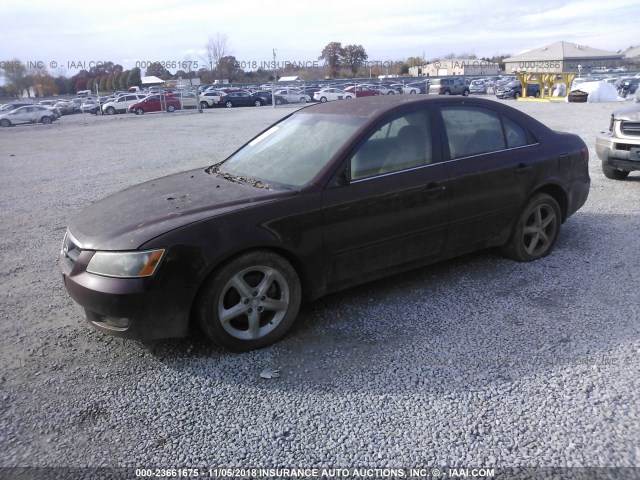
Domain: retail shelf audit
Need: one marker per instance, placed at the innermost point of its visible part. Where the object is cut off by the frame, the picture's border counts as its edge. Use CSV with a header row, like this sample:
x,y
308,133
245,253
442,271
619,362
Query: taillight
x,y
585,154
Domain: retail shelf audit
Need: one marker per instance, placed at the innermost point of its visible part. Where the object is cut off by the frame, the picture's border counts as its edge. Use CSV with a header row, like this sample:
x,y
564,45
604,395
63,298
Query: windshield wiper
x,y
215,170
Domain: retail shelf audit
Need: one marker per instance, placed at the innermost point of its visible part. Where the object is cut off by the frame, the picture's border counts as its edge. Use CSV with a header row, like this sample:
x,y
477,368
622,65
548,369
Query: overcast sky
x,y
173,30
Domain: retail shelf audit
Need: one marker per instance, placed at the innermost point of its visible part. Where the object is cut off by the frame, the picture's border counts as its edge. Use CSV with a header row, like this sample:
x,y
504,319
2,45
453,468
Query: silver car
x,y
28,114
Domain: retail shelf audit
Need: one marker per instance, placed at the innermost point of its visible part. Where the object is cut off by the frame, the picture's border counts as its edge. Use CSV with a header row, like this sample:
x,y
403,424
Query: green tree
x,y
157,70
116,80
229,68
134,79
124,78
109,83
17,76
91,84
103,83
354,56
332,54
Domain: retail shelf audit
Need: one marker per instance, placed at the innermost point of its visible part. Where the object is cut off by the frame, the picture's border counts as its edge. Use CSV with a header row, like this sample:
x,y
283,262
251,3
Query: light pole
x,y
273,84
579,70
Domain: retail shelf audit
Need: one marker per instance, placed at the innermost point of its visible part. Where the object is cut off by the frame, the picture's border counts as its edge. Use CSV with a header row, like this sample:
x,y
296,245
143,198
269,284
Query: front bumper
x,y
623,154
139,308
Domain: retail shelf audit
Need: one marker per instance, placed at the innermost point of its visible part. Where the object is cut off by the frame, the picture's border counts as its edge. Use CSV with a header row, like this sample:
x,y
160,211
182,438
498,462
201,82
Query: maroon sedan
x,y
331,196
155,103
363,91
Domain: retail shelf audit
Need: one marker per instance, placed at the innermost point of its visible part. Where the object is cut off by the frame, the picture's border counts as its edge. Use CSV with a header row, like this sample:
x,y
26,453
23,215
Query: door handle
x,y
434,188
522,169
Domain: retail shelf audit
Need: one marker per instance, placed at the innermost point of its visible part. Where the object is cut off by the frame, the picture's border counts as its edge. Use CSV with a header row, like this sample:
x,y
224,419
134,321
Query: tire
x,y
45,120
536,229
204,105
323,99
465,93
516,96
228,104
391,92
536,95
250,302
447,92
5,123
614,173
412,92
111,110
278,101
139,111
257,103
303,100
171,108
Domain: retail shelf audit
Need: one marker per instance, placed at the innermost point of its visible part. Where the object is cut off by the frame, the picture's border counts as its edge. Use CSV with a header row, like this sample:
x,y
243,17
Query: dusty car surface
x,y
331,196
619,148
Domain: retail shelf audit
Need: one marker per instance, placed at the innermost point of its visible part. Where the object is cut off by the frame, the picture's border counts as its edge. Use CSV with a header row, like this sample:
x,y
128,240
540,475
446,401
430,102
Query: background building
x,y
563,57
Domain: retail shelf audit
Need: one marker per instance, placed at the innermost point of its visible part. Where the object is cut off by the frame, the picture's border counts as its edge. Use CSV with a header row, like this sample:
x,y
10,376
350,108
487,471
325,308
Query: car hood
x,y
629,114
132,217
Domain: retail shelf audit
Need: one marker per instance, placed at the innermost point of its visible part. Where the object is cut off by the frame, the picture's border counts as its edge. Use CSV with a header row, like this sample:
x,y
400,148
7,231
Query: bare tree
x,y
215,49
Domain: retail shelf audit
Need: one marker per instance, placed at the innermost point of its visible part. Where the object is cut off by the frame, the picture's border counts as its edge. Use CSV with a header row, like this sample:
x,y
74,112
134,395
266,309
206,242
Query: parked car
x,y
210,98
383,89
415,88
362,91
628,86
90,106
514,90
155,103
237,99
449,86
7,107
66,107
186,99
28,114
331,94
477,86
619,148
329,197
264,97
293,96
122,103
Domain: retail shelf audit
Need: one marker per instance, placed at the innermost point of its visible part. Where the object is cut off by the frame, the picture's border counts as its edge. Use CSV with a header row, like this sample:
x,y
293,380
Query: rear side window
x,y
477,130
472,130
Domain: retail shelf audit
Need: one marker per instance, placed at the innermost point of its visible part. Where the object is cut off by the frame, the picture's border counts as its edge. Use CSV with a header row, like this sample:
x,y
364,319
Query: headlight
x,y
125,264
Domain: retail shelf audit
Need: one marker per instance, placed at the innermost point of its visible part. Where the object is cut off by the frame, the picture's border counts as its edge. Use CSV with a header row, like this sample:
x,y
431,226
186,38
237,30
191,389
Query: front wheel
x,y
5,123
257,103
323,99
111,110
412,92
250,302
228,104
204,105
614,173
536,229
171,108
303,100
278,101
465,93
139,111
45,120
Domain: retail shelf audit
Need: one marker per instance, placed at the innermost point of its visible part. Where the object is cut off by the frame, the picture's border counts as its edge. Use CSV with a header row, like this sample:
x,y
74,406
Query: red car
x,y
363,91
155,103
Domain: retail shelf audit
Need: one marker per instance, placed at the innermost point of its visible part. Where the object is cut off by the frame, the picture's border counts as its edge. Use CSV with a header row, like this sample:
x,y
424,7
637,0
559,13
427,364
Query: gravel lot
x,y
479,361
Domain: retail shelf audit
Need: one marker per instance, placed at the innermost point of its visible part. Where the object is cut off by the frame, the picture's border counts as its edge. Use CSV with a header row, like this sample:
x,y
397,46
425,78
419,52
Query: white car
x,y
210,98
122,103
330,94
293,96
28,114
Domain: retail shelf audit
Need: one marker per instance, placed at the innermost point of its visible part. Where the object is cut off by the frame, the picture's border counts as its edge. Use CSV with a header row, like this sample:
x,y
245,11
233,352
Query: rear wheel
x,y
45,120
257,103
614,173
447,92
171,108
412,92
536,230
303,100
278,101
465,93
5,123
250,302
323,99
228,104
139,111
111,110
204,105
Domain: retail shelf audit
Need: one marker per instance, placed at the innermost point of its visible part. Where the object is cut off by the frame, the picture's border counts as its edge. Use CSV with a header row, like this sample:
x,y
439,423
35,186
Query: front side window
x,y
401,143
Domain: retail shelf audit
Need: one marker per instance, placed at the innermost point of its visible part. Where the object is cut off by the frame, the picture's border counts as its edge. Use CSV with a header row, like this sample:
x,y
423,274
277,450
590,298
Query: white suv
x,y
122,103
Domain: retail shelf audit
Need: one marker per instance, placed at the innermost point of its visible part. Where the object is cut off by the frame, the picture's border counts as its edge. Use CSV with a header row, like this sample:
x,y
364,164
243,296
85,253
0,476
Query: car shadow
x,y
461,324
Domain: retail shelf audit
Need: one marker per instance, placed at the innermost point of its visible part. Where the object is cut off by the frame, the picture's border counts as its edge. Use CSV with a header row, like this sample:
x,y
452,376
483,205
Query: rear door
x,y
490,172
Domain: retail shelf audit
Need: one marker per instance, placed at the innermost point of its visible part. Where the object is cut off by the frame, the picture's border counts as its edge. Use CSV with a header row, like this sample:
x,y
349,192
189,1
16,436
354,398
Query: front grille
x,y
71,250
630,128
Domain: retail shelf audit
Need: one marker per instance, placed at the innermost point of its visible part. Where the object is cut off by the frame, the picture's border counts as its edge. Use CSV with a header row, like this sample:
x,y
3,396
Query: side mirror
x,y
344,178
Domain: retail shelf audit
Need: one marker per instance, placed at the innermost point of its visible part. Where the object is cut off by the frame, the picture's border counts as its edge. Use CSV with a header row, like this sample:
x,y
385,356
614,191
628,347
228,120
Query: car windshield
x,y
294,151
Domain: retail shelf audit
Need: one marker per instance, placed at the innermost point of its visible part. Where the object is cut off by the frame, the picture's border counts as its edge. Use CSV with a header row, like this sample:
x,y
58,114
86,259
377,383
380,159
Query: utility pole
x,y
273,84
